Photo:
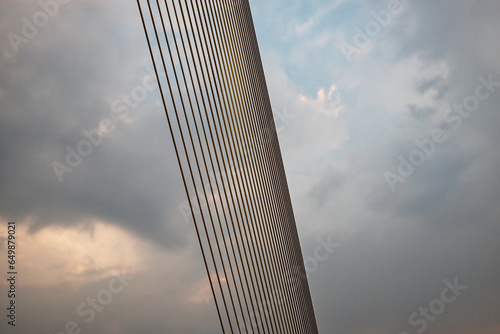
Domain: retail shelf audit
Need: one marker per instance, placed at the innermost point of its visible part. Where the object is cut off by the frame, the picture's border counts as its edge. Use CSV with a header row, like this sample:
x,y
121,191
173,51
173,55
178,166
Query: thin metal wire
x,y
177,154
259,166
225,168
245,97
266,125
235,93
209,150
227,145
284,200
229,131
292,226
184,146
204,161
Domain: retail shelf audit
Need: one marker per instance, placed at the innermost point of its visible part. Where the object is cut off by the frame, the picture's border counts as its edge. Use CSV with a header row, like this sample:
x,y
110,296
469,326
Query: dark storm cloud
x,y
61,84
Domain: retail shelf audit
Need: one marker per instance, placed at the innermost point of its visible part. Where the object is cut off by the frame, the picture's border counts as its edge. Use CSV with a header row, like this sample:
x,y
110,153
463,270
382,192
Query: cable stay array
x,y
211,81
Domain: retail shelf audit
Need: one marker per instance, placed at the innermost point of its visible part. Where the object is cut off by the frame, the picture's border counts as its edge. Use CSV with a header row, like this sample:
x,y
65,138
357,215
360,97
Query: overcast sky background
x,y
344,122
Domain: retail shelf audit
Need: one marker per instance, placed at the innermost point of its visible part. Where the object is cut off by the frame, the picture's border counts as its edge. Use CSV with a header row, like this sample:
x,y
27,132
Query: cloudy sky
x,y
387,114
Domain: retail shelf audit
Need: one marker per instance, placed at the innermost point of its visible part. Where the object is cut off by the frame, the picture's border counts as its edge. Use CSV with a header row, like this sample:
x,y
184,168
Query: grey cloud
x,y
442,222
421,112
438,84
328,185
58,85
